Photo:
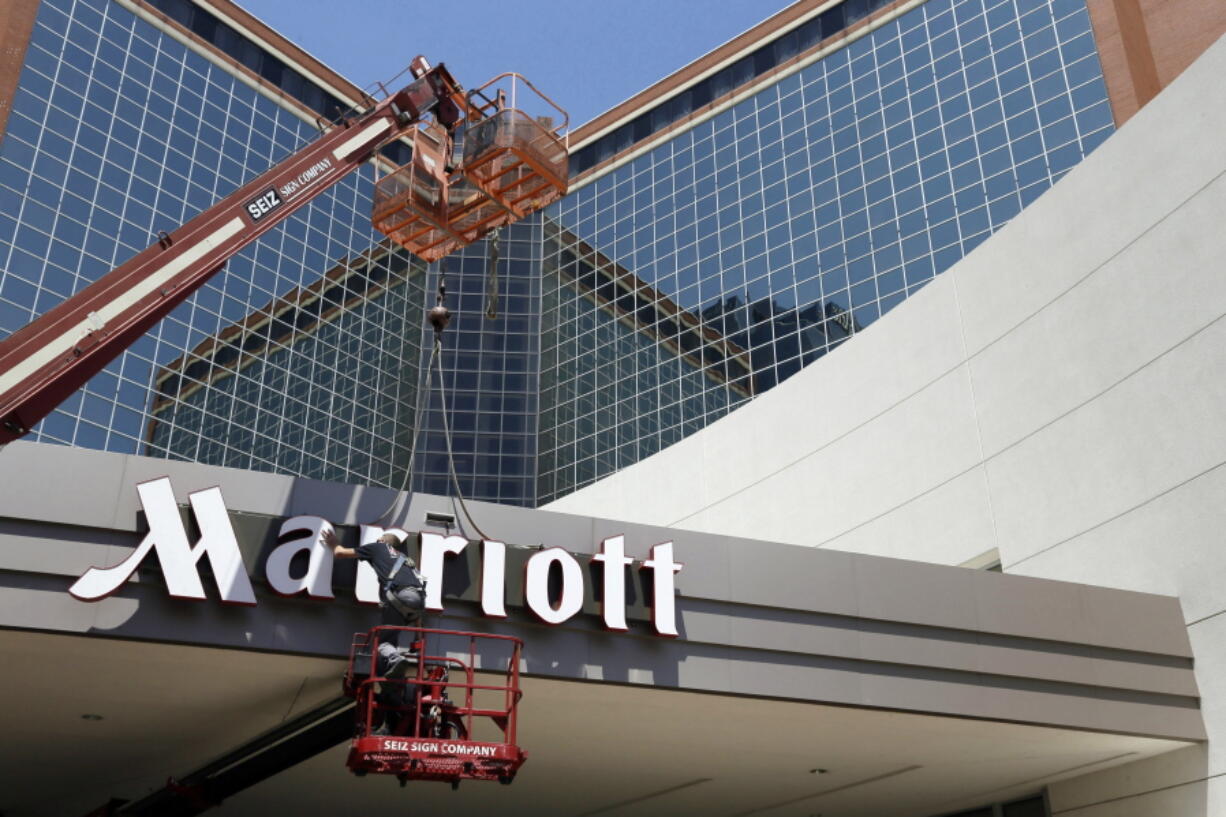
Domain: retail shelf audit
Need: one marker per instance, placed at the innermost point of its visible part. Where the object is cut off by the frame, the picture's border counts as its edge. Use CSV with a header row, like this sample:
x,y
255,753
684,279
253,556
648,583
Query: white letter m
x,y
178,559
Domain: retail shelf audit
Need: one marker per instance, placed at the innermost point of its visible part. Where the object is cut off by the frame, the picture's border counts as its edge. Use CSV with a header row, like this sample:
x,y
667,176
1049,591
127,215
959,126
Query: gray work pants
x,y
402,608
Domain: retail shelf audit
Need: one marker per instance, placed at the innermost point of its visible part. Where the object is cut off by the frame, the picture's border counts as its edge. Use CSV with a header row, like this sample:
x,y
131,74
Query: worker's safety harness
x,y
389,586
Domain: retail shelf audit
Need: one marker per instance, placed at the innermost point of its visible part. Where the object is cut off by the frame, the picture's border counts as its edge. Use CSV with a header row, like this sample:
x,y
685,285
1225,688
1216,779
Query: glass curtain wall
x,y
800,215
646,304
300,356
491,369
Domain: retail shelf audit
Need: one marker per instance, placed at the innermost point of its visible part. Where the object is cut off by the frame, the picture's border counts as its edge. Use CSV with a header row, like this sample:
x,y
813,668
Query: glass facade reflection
x,y
760,61
664,291
308,384
803,213
288,361
491,368
625,371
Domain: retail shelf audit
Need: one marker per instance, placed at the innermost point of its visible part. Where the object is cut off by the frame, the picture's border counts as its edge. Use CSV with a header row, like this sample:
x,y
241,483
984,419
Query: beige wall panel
x,y
1092,328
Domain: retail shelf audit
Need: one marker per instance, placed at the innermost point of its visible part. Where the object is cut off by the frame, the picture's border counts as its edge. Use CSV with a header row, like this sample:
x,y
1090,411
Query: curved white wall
x,y
1060,394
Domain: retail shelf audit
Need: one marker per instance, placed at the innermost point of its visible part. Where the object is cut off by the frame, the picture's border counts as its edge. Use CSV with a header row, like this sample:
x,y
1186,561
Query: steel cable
x,y
455,481
422,386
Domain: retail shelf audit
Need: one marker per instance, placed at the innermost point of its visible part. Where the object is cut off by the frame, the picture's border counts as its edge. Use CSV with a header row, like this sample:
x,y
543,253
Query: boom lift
x,y
509,166
478,162
408,727
411,727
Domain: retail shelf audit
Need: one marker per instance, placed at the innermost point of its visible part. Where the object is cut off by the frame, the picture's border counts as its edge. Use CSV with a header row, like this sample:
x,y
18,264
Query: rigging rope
x,y
423,386
455,481
439,316
438,320
491,274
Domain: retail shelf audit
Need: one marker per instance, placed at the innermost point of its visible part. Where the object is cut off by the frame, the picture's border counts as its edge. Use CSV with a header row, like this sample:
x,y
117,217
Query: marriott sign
x,y
553,584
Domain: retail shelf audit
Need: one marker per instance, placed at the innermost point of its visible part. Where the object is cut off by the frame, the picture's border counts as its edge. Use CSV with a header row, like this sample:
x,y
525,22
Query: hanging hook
x,y
439,315
491,273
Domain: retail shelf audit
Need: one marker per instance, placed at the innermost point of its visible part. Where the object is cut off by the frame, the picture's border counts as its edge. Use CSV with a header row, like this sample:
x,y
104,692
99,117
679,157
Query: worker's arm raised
x,y
338,550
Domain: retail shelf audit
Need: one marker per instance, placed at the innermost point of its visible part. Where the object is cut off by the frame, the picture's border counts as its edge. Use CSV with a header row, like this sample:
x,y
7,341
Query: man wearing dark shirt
x,y
402,591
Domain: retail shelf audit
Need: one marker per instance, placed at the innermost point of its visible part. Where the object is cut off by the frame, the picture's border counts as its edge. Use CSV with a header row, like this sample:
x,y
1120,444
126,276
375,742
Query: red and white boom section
x,y
43,363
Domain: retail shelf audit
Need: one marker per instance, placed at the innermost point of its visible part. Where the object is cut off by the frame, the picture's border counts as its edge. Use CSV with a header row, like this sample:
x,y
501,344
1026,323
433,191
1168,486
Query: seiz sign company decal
x,y
179,561
311,176
435,748
263,204
272,198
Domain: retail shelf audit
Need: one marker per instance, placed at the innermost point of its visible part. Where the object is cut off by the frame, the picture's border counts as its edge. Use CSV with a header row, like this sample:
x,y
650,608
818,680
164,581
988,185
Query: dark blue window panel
x,y
919,140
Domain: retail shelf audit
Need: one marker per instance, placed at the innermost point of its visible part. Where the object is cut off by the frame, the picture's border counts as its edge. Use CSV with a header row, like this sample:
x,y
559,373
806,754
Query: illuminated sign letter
x,y
493,578
613,600
317,581
177,558
433,548
663,606
536,585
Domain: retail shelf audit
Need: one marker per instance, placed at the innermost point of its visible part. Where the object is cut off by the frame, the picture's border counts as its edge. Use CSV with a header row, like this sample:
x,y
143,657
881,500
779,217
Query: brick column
x,y
1145,44
16,23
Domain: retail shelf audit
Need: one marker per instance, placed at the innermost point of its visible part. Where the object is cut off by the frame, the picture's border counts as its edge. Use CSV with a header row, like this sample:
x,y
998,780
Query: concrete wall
x,y
1058,395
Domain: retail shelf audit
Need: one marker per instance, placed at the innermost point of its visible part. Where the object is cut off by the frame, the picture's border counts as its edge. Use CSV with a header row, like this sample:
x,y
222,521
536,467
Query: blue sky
x,y
588,55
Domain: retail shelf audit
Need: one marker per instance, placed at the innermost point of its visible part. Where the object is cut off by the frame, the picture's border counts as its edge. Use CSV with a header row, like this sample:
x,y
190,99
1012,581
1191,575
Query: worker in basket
x,y
402,599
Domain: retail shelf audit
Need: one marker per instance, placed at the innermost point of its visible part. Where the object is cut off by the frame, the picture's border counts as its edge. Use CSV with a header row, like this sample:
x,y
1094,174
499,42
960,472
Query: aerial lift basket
x,y
410,203
442,721
507,161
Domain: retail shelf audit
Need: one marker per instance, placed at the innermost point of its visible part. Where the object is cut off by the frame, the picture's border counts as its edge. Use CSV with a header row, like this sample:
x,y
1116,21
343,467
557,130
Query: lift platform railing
x,y
508,159
517,161
413,727
411,203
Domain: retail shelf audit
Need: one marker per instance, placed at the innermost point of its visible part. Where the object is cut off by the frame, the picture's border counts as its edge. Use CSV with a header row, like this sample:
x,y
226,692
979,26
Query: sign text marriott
x,y
180,560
